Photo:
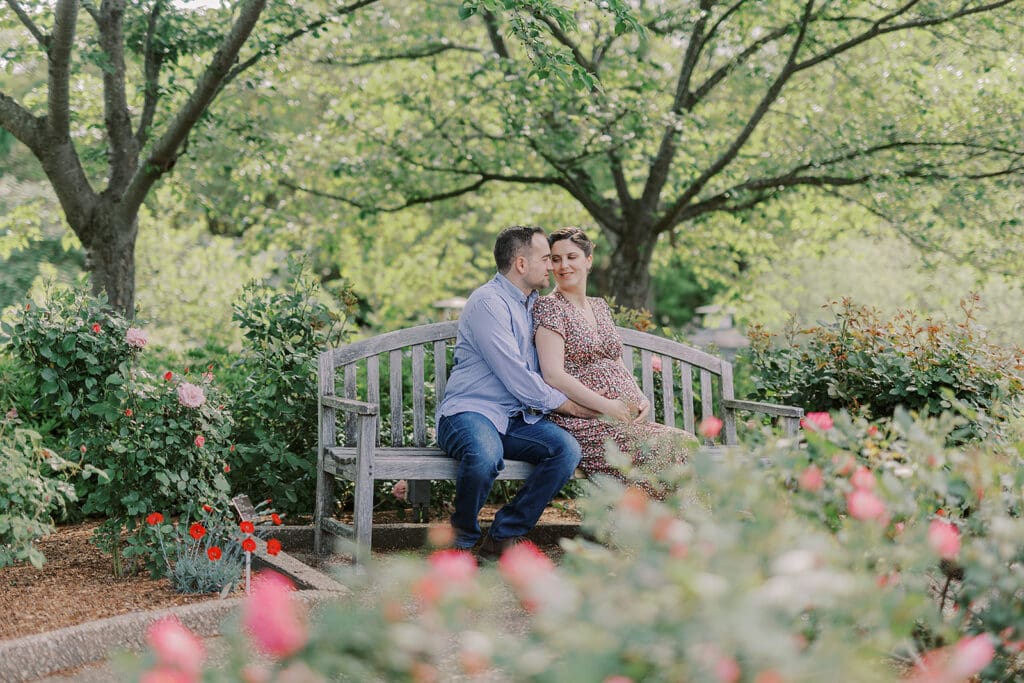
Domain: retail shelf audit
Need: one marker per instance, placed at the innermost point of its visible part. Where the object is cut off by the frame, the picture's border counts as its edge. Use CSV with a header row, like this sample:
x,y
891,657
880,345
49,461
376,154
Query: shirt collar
x,y
514,291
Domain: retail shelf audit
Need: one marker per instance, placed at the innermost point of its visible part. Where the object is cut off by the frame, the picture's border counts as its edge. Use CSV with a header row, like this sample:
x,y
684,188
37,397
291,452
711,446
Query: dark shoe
x,y
491,550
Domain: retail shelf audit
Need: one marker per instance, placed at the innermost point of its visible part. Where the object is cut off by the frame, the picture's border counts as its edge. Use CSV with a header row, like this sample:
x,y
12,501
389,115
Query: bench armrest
x,y
768,408
350,405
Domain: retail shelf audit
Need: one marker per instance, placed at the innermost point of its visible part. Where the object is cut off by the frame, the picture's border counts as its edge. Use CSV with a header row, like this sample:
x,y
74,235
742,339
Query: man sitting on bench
x,y
496,402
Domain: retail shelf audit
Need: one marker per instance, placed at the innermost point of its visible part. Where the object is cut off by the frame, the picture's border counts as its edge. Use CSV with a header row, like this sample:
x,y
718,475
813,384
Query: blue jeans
x,y
481,450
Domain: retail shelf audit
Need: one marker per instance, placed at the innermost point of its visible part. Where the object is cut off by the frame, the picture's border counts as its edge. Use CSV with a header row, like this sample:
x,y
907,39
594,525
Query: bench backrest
x,y
405,372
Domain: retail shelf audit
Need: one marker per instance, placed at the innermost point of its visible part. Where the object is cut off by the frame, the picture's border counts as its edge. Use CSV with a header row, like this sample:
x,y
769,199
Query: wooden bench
x,y
374,420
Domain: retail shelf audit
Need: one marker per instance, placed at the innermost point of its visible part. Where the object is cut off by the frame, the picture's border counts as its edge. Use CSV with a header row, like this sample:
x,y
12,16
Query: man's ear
x,y
519,264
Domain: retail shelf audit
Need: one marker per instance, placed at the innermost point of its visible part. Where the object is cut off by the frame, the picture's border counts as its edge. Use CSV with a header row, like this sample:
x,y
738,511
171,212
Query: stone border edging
x,y
43,654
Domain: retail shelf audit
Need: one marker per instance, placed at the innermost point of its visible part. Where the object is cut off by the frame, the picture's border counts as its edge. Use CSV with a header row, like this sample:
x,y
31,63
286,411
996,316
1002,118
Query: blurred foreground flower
x,y
269,614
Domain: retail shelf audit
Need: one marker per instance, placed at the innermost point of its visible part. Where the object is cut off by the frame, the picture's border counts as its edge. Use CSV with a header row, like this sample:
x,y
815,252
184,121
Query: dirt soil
x,y
76,584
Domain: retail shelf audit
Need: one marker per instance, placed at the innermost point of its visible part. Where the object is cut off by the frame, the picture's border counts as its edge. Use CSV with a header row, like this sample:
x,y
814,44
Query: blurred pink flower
x,y
400,490
863,478
277,627
955,664
135,337
944,539
12,414
163,674
819,422
176,647
865,505
200,440
618,679
727,670
811,479
453,565
190,396
524,563
656,363
710,427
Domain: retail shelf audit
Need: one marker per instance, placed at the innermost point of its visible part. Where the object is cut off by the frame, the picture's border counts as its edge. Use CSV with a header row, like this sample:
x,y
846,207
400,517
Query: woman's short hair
x,y
574,235
511,242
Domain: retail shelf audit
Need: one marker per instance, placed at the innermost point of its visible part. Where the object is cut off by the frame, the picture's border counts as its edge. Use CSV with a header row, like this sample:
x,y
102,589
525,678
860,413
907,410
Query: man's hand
x,y
574,409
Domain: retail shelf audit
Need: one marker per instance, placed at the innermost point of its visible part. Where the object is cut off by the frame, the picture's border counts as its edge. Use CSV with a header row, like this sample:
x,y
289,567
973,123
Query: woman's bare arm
x,y
551,353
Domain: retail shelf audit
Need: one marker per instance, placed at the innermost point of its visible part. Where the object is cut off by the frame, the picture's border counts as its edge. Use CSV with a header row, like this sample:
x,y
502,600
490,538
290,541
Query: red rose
x,y
249,545
231,448
197,531
213,553
227,468
96,328
273,546
128,412
276,518
247,527
207,508
168,376
200,440
154,518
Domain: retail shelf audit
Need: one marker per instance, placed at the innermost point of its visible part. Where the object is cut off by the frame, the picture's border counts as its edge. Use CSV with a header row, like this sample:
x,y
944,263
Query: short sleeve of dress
x,y
547,313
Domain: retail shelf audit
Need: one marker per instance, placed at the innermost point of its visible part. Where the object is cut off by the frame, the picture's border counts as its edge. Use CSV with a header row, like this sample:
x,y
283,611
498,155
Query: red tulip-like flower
x,y
168,376
154,518
207,508
197,530
247,527
96,328
276,519
273,546
249,545
271,618
213,553
127,412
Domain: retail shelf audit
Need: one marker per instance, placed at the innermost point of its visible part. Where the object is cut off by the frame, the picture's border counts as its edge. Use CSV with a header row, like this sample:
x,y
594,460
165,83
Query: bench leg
x,y
419,498
363,505
323,505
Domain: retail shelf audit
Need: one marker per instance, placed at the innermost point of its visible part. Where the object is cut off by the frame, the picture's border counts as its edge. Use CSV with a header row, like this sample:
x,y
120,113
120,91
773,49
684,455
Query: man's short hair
x,y
511,243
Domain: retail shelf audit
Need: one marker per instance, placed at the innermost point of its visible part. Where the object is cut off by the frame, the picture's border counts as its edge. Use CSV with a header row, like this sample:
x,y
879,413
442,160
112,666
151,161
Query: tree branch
x,y
164,153
26,20
415,53
671,217
153,61
21,123
659,169
59,53
494,34
558,34
123,154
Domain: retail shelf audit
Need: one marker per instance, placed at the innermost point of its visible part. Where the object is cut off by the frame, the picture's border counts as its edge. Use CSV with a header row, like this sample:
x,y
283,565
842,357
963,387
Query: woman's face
x,y
570,265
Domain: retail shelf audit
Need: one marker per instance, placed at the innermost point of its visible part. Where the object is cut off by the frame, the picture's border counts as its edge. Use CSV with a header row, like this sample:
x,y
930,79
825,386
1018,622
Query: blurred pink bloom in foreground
x,y
819,422
164,675
400,490
956,664
811,479
449,572
863,478
710,427
177,650
272,619
944,539
865,505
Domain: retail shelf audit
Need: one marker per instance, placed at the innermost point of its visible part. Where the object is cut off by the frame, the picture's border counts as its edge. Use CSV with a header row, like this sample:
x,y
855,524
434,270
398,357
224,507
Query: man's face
x,y
538,263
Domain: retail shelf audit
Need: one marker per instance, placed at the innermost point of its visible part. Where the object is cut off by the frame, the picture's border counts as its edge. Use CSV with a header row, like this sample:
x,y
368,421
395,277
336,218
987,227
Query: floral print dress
x,y
593,356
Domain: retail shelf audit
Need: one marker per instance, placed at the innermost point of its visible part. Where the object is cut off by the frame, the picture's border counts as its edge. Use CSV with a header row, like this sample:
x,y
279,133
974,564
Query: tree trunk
x,y
628,276
111,259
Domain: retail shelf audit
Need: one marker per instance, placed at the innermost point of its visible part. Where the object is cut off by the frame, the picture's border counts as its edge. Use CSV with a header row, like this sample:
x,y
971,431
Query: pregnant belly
x,y
610,378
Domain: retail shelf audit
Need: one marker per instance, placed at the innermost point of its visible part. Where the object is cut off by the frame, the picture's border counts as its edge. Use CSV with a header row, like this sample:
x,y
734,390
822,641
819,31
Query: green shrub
x,y
275,405
27,495
869,366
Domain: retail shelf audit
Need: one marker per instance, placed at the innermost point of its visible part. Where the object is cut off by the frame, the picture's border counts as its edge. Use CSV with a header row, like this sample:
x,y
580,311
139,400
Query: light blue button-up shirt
x,y
496,370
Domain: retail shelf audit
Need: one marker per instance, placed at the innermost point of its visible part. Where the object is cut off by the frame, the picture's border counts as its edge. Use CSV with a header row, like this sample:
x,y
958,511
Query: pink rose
x,y
162,674
135,337
400,490
200,440
863,478
710,427
865,505
811,479
190,396
176,647
727,670
656,363
944,539
524,563
818,422
277,628
968,657
12,414
455,566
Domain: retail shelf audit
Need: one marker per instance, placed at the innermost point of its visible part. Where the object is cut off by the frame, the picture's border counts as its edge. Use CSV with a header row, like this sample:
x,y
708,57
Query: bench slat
x,y
706,405
373,386
395,371
414,463
686,377
668,394
440,370
647,377
419,401
350,392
